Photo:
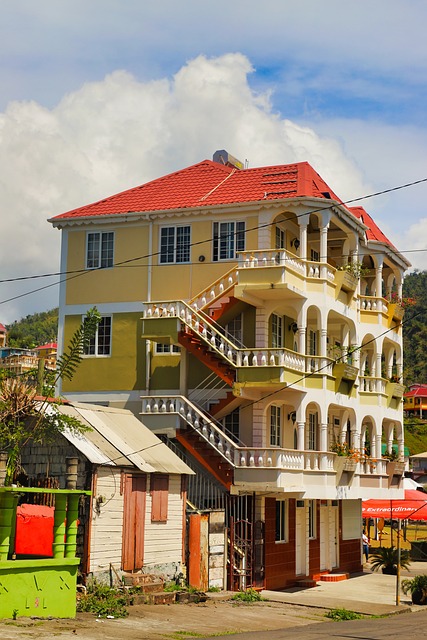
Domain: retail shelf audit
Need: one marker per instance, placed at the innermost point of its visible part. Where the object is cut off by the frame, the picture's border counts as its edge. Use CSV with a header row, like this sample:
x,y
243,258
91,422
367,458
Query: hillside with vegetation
x,y
34,330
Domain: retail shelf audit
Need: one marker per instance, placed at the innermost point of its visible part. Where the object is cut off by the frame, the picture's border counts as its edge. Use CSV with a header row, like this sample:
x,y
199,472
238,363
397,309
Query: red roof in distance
x,y
419,390
49,345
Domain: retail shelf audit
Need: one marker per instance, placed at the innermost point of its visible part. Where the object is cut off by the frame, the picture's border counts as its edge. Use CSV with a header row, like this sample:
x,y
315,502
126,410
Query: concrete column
x,y
300,436
379,281
323,250
303,240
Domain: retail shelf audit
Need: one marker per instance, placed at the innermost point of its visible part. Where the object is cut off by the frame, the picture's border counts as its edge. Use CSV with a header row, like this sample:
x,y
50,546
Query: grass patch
x,y
250,595
342,614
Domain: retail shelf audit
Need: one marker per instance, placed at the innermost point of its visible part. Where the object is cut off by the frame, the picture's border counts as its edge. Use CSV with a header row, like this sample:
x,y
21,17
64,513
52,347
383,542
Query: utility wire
x,y
201,242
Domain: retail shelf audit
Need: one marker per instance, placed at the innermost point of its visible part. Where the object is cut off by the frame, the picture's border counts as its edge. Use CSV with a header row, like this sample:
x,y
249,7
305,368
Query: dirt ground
x,y
172,622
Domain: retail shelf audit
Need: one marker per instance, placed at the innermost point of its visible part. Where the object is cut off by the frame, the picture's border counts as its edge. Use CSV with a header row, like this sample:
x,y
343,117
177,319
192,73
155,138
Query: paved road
x,y
405,625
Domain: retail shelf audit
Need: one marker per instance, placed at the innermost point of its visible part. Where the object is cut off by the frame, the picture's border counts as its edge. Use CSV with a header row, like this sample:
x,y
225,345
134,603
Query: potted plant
x,y
417,587
386,558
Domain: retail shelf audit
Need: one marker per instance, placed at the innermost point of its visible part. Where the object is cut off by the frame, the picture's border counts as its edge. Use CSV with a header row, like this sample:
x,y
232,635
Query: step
x,y
306,583
334,577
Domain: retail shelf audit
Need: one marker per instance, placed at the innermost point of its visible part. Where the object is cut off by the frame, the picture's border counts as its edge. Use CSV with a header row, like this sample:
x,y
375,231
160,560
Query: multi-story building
x,y
246,316
415,401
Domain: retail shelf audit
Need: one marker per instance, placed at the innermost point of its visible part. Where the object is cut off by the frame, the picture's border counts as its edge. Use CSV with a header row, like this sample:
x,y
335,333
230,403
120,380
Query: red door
x,y
133,522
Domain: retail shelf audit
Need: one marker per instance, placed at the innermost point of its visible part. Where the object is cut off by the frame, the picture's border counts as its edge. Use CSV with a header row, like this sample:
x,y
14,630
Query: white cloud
x,y
119,132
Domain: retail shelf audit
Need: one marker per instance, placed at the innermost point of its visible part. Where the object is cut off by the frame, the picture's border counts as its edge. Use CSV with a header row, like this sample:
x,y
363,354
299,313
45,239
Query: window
x,y
228,239
281,521
100,344
231,423
312,342
312,432
276,331
174,244
167,348
275,426
159,498
233,330
314,255
100,250
280,238
311,519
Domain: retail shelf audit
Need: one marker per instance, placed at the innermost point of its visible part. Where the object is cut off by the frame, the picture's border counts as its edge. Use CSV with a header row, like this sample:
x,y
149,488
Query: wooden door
x,y
134,522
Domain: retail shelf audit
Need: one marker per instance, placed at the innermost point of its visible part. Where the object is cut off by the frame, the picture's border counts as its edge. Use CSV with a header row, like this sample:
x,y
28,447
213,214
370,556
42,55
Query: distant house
x,y
18,361
419,467
415,401
48,352
3,335
135,518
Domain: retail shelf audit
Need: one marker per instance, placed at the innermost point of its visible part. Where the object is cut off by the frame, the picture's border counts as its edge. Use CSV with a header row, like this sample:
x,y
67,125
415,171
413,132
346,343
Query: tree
x,y
415,328
26,416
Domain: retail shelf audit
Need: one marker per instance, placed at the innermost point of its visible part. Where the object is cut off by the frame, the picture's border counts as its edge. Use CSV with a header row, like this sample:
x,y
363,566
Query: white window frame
x,y
280,238
94,343
231,423
161,349
282,522
229,237
99,260
313,424
234,329
275,425
173,249
277,331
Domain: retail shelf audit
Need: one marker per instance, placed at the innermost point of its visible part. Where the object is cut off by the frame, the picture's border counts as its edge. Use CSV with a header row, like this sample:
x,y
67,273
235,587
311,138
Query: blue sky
x,y
99,96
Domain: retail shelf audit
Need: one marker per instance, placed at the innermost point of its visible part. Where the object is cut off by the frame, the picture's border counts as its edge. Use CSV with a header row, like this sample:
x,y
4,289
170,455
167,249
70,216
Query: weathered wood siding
x,y
107,522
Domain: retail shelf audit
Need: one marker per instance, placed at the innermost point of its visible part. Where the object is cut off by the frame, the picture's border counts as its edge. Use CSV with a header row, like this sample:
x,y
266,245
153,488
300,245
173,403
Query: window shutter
x,y
159,498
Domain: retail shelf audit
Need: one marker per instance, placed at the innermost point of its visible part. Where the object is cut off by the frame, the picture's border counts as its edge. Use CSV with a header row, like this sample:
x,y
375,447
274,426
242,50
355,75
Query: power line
x,y
200,242
292,384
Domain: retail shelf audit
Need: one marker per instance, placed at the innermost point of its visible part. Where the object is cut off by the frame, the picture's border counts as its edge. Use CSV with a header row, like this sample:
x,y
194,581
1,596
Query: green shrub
x,y
250,595
342,614
386,558
417,587
103,601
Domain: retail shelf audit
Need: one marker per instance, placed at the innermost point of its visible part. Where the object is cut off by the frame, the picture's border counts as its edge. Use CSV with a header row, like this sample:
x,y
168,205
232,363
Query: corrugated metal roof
x,y
118,438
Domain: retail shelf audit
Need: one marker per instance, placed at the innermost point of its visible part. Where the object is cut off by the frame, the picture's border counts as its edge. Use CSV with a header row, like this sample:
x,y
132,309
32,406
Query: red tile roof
x,y
2,328
373,232
208,184
49,345
419,390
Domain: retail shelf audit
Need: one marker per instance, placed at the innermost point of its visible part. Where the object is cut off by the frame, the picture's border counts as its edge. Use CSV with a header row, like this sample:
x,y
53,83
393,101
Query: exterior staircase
x,y
196,346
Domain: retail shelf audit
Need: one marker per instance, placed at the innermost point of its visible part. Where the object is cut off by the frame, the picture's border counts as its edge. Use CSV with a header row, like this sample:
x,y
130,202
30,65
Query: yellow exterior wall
x,y
123,370
119,284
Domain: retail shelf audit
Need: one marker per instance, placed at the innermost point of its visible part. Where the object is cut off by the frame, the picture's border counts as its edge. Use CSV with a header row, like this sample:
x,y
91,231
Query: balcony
x,y
304,473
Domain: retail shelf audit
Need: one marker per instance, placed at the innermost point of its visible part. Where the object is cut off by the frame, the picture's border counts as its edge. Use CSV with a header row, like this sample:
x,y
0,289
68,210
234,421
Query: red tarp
x,y
413,507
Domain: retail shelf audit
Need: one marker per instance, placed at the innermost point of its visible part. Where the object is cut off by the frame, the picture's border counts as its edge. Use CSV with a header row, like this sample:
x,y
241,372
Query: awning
x,y
413,507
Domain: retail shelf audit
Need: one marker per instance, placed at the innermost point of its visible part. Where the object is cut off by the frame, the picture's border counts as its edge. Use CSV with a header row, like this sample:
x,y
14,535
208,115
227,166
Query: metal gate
x,y
245,555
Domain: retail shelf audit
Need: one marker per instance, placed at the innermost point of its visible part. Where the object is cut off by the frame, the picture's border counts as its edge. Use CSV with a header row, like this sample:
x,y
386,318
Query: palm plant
x,y
417,587
386,559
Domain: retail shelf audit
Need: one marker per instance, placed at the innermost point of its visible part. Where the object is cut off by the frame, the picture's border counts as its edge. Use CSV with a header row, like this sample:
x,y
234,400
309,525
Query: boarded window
x,y
159,498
